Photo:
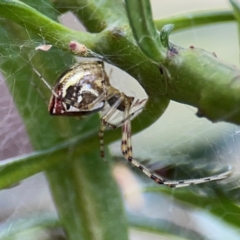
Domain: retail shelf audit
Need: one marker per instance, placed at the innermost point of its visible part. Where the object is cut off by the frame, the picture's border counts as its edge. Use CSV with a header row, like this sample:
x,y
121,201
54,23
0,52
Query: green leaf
x,y
71,192
191,76
162,226
236,10
144,31
39,161
11,230
194,19
87,197
164,35
29,164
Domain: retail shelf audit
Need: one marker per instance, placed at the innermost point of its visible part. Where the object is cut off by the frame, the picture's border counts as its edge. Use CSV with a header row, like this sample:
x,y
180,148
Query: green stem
x,y
144,31
37,22
236,9
195,19
190,79
94,14
105,43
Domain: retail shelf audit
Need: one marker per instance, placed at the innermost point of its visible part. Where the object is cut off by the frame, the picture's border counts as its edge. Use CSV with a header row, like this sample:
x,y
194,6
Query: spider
x,y
85,89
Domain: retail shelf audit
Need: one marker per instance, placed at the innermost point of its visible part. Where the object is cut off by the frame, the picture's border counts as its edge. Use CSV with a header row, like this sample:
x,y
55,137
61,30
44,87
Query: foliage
x,y
85,194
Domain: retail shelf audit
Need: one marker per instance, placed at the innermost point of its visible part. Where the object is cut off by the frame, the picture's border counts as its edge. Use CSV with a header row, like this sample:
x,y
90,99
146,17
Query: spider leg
x,y
103,96
111,113
39,92
101,139
138,102
130,115
105,123
114,126
46,83
127,153
188,182
89,106
129,131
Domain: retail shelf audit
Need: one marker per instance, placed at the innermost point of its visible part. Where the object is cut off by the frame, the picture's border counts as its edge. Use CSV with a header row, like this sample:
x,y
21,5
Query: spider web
x,y
174,138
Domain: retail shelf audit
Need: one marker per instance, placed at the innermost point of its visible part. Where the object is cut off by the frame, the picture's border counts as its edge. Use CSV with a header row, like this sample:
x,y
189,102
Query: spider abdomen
x,y
77,89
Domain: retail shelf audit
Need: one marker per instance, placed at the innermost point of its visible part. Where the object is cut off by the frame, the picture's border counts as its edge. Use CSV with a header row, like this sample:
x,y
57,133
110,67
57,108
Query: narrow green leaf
x,y
46,132
39,161
87,197
163,226
194,19
144,31
164,35
236,8
11,230
29,164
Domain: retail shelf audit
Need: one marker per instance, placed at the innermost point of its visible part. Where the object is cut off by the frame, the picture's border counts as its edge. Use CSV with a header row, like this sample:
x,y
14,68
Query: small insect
x,y
84,89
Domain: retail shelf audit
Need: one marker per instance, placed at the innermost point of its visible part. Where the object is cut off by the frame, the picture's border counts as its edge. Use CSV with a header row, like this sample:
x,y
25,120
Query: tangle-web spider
x,y
84,89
